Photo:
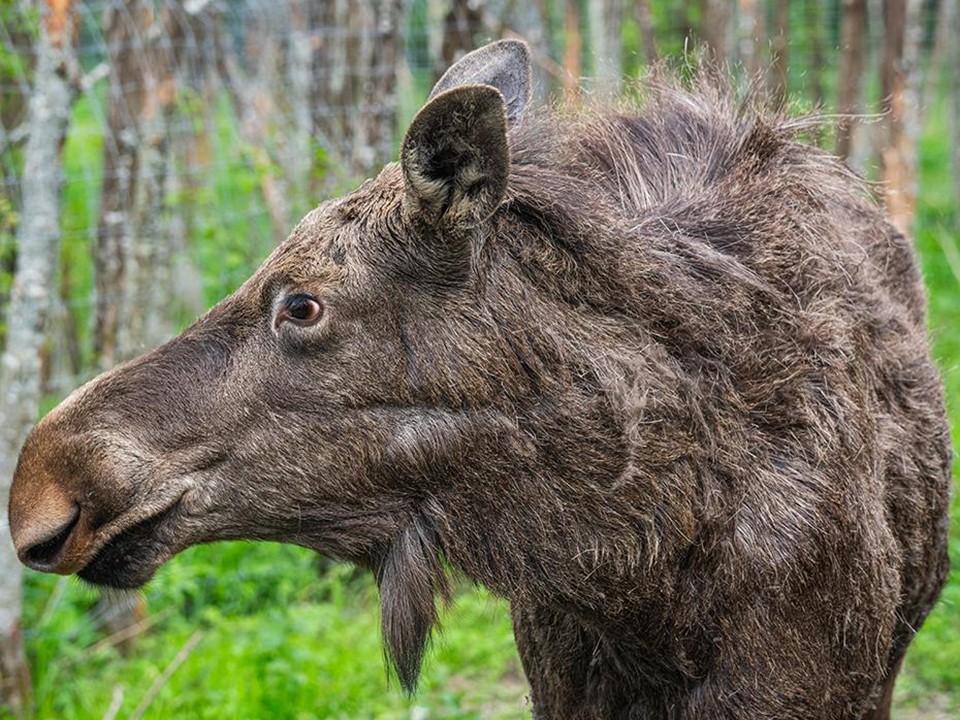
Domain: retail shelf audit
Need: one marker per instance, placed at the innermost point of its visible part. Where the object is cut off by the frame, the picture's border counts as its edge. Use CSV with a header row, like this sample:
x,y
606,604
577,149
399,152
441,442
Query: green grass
x,y
280,639
276,639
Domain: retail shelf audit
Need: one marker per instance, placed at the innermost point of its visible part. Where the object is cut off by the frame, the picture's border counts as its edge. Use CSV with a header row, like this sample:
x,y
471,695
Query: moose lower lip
x,y
129,558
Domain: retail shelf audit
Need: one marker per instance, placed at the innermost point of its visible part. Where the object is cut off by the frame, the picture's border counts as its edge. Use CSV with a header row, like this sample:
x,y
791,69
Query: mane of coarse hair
x,y
699,214
667,137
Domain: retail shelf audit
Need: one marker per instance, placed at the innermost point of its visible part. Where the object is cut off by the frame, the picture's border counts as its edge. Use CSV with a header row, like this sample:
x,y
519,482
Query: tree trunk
x,y
125,34
251,91
645,23
899,79
145,322
779,49
815,27
38,241
954,63
572,52
529,20
944,39
356,78
714,29
461,27
300,82
193,49
605,20
853,36
751,36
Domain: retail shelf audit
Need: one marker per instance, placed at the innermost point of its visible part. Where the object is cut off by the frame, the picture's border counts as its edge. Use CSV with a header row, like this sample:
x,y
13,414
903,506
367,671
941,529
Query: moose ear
x,y
455,157
504,65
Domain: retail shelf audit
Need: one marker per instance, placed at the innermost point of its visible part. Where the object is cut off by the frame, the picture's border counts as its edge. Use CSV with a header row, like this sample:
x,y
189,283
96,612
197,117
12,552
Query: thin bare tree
x,y
252,87
751,36
146,321
853,38
779,51
900,103
459,27
126,25
572,51
38,243
530,21
605,20
647,33
355,101
714,29
954,63
814,20
944,38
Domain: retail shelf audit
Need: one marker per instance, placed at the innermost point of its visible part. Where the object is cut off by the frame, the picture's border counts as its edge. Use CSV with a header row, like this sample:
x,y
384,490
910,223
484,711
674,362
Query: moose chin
x,y
660,378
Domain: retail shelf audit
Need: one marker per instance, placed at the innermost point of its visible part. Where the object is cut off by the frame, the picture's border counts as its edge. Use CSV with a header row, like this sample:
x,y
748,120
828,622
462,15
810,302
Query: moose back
x,y
660,378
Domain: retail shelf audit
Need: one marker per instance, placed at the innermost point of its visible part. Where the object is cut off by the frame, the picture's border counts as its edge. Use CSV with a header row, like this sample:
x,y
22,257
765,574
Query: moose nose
x,y
40,546
46,522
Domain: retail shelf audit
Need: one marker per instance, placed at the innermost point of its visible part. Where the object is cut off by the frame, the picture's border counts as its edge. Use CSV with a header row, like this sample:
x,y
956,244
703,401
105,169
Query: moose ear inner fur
x,y
456,159
410,577
504,65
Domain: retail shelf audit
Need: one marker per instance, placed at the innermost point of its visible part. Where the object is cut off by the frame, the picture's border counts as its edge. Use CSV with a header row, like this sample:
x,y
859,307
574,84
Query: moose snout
x,y
47,523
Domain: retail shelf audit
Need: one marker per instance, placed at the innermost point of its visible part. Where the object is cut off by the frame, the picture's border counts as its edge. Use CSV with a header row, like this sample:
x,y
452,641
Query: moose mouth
x,y
130,558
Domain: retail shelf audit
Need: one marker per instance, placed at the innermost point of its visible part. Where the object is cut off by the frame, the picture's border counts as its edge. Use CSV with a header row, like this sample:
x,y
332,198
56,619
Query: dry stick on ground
x,y
948,246
124,634
34,287
53,601
158,684
116,702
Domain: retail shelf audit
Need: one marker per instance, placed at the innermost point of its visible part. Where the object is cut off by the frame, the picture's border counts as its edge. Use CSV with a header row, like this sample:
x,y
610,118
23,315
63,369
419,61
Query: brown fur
x,y
667,390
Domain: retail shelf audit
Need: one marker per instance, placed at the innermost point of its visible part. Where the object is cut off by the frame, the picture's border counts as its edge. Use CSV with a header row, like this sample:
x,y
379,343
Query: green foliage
x,y
933,663
278,640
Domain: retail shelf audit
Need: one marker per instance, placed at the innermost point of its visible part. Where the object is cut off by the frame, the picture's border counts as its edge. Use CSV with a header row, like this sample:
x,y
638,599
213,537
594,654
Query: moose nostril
x,y
41,556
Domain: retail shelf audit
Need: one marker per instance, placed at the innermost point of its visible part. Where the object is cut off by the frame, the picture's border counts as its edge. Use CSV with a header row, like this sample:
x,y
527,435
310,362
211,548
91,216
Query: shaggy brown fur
x,y
658,377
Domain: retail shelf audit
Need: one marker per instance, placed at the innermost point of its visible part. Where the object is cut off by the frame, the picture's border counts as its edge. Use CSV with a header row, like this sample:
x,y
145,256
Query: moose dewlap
x,y
659,378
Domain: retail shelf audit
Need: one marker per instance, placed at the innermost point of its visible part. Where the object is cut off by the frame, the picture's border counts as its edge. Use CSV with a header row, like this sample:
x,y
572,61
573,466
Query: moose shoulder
x,y
658,378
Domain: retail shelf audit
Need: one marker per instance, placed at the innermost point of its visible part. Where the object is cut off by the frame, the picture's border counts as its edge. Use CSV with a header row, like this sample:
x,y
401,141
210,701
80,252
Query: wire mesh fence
x,y
201,130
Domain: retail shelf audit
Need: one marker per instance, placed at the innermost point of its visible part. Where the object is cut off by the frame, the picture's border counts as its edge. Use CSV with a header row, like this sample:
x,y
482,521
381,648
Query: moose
x,y
660,378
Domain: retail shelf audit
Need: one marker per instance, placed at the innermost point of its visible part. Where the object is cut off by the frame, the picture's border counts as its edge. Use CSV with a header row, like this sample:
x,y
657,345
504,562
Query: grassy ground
x,y
254,630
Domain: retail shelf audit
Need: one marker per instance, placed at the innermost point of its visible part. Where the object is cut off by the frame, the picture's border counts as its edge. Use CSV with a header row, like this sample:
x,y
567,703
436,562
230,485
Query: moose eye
x,y
302,310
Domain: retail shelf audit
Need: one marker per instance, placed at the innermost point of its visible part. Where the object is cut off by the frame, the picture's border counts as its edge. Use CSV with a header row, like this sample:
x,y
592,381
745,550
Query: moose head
x,y
326,402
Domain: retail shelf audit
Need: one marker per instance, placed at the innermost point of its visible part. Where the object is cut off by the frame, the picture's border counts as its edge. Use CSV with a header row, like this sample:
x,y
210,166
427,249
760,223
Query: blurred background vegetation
x,y
198,131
